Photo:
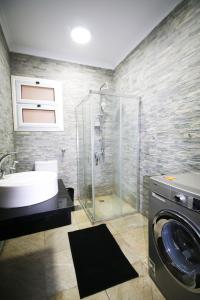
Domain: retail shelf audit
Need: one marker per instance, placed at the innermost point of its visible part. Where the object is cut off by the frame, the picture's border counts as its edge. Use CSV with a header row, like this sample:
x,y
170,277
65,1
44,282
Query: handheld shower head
x,y
103,105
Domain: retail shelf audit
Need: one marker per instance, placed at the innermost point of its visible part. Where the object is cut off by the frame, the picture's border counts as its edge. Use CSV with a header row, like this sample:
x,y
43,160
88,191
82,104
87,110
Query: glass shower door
x,y
80,154
84,156
88,157
108,155
129,154
106,125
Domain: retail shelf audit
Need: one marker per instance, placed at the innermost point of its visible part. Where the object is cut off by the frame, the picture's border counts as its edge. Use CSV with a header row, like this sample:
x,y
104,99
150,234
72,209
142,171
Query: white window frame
x,y
19,104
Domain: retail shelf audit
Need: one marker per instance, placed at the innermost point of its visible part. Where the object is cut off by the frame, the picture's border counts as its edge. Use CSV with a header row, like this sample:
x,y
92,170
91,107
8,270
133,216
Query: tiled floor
x,y
40,266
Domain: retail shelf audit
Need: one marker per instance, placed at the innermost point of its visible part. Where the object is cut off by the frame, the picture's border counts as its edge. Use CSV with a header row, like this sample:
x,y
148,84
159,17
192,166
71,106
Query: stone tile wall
x,y
6,123
164,70
77,81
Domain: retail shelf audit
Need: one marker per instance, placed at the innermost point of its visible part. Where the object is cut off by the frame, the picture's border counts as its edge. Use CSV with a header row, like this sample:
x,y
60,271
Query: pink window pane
x,y
38,116
37,93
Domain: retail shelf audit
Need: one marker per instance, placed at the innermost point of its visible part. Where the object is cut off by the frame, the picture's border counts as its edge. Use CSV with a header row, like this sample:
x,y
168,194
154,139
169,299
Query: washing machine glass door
x,y
178,244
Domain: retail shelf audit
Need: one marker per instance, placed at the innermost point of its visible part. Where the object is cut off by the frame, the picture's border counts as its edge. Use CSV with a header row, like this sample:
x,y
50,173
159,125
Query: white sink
x,y
27,188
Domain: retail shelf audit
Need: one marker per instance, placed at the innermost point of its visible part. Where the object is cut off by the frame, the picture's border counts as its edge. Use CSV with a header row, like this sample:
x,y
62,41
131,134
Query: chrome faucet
x,y
2,159
13,168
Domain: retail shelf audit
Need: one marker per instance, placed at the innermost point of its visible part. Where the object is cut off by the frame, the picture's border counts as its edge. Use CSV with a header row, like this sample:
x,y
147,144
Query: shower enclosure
x,y
108,154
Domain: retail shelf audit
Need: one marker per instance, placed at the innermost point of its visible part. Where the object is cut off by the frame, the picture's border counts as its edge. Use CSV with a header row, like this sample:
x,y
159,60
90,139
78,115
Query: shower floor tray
x,y
108,207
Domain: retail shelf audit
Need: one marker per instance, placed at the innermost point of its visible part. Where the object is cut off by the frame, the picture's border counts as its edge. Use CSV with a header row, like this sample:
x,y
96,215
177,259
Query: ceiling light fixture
x,y
80,35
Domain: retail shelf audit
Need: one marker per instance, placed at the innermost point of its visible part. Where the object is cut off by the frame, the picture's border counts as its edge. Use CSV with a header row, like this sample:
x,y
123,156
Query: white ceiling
x,y
42,27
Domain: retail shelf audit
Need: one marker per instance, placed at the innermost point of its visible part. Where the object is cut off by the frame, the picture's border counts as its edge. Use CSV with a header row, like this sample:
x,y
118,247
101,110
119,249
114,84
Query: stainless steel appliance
x,y
174,235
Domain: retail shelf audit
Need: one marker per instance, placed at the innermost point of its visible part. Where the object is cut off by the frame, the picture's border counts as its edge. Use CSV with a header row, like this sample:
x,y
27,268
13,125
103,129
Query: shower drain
x,y
101,200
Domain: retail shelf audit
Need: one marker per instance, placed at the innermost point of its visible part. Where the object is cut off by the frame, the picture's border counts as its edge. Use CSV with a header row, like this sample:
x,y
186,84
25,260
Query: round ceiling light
x,y
80,35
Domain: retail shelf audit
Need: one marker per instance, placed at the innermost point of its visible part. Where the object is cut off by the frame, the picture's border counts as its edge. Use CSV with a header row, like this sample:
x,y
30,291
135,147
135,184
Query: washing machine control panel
x,y
180,198
186,199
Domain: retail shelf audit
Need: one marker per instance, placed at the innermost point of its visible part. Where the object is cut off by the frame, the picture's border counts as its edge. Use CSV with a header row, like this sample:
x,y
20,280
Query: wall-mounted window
x,y
37,104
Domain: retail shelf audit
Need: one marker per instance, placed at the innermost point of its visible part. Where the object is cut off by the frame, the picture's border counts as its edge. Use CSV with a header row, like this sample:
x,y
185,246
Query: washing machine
x,y
174,235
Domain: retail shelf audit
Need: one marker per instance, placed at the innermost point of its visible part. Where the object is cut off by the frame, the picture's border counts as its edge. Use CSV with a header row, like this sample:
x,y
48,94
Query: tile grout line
x,y
107,294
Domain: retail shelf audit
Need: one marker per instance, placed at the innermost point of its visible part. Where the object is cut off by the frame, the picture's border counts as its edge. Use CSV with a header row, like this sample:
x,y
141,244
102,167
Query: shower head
x,y
102,103
104,86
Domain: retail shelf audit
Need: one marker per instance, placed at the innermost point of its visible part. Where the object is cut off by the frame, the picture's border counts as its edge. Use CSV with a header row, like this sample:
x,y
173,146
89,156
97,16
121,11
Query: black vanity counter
x,y
49,214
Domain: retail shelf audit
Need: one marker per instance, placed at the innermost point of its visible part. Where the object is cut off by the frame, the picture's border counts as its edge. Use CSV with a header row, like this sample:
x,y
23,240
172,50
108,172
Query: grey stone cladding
x,y
6,123
164,70
77,80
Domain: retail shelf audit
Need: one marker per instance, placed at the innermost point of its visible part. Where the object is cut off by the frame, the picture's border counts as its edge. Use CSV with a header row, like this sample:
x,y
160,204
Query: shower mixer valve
x,y
99,156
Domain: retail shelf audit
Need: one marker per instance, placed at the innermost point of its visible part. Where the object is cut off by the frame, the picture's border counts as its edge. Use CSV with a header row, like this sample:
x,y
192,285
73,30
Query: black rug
x,y
99,262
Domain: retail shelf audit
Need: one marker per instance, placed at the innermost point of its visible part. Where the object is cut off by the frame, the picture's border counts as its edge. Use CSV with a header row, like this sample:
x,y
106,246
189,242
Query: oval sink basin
x,y
27,188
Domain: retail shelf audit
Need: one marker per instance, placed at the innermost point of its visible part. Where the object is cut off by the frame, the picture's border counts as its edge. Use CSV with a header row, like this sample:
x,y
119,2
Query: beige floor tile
x,y
59,272
99,296
111,228
84,225
141,267
23,277
128,222
57,239
73,294
24,245
73,219
137,289
80,217
70,294
76,202
137,240
156,293
126,249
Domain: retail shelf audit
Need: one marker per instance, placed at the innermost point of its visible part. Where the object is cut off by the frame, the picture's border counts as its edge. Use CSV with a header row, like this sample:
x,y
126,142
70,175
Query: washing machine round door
x,y
178,245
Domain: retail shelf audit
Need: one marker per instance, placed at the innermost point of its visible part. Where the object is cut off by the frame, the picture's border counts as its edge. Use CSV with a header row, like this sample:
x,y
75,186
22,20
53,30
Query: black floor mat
x,y
99,262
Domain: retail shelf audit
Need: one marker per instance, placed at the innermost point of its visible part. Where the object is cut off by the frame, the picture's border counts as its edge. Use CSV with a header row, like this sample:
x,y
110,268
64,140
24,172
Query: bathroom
x,y
126,109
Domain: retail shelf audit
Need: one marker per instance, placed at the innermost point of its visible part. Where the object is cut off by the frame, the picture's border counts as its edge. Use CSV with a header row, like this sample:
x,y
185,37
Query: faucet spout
x,y
2,159
5,155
